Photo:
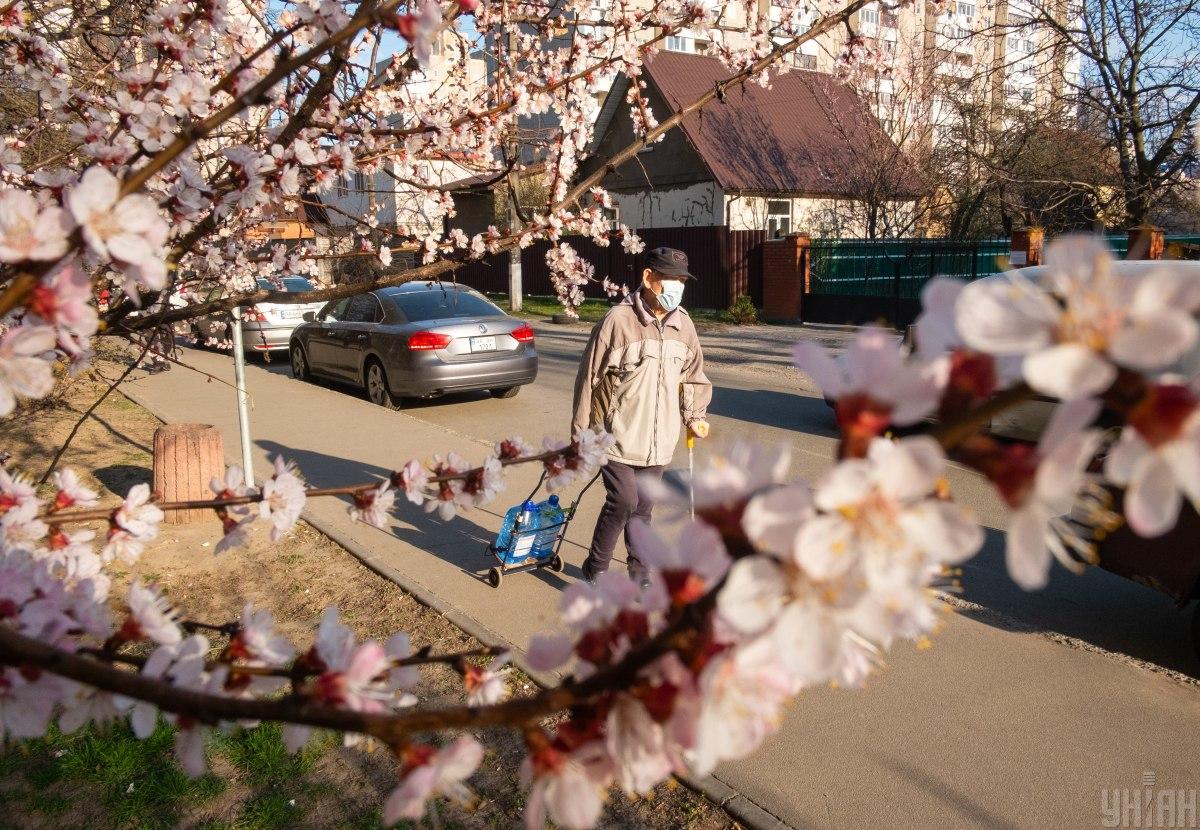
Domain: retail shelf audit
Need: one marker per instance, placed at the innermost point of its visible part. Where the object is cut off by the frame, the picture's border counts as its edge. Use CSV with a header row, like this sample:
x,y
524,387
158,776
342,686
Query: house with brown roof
x,y
789,158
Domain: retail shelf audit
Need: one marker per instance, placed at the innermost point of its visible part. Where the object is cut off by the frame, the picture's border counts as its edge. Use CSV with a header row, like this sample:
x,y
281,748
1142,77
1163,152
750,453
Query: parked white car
x,y
266,327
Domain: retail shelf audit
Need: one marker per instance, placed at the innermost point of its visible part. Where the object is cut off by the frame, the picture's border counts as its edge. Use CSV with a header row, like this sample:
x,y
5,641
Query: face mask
x,y
671,296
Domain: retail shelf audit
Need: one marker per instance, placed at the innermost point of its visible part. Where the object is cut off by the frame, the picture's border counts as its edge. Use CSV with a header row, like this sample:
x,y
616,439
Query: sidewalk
x,y
987,729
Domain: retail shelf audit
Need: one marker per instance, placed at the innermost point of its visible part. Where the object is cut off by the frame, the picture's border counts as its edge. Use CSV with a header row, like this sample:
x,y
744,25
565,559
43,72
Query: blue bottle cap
x,y
529,505
553,501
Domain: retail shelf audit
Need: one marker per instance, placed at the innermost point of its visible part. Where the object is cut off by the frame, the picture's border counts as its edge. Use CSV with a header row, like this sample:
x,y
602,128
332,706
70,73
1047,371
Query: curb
x,y
748,813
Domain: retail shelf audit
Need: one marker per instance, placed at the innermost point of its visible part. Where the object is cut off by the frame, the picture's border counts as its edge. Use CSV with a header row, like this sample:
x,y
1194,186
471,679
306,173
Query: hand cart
x,y
523,553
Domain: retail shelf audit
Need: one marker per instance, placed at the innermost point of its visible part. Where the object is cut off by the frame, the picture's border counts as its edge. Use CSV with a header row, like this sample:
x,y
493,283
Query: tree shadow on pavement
x,y
969,811
460,542
1097,608
783,410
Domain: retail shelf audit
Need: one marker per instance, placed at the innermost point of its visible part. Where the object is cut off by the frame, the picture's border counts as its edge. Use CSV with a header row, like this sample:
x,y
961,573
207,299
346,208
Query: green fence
x,y
899,268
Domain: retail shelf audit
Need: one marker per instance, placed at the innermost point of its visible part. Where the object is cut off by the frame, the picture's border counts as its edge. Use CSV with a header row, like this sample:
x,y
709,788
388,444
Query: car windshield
x,y
439,303
290,284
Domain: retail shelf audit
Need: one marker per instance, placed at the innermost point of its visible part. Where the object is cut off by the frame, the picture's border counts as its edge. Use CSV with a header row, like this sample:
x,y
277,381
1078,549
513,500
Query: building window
x,y
966,9
678,43
869,17
779,218
804,61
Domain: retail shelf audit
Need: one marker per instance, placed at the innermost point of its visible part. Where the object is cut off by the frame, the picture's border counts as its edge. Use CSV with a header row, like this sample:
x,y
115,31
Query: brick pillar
x,y
786,275
1026,247
186,458
1146,242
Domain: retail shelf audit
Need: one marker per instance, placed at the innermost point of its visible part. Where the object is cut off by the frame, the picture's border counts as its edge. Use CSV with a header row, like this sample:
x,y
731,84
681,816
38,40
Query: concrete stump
x,y
186,458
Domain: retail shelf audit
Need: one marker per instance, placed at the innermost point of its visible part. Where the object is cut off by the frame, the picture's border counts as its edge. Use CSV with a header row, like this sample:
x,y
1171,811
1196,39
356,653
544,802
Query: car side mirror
x,y
310,316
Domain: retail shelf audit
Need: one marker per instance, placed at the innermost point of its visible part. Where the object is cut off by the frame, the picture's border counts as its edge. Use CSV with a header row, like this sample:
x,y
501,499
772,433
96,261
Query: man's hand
x,y
698,428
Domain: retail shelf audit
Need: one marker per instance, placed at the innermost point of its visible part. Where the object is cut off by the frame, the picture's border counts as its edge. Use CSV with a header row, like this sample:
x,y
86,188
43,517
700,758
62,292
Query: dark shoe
x,y
589,576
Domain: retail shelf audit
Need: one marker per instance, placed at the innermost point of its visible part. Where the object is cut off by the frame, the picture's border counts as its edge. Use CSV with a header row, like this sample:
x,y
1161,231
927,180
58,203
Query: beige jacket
x,y
641,379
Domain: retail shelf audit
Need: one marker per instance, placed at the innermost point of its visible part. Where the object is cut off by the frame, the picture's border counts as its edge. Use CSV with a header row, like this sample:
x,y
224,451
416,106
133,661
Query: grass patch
x,y
137,783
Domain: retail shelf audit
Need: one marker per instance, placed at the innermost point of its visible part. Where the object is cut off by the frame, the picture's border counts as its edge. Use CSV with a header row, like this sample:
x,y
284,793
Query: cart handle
x,y
586,487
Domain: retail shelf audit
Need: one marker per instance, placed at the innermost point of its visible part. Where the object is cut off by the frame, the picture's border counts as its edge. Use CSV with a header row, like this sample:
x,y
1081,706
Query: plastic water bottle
x,y
518,521
550,519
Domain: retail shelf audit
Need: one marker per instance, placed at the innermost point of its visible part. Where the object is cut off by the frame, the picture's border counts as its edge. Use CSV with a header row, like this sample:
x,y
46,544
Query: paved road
x,y
1025,710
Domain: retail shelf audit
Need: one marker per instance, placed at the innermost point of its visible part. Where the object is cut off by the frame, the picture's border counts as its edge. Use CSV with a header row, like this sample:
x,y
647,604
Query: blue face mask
x,y
671,295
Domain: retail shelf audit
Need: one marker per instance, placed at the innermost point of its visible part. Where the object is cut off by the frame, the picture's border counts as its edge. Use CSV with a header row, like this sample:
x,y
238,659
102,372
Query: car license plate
x,y
292,313
483,344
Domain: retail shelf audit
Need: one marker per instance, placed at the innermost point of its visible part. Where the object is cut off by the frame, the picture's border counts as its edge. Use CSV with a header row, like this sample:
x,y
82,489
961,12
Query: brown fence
x,y
727,264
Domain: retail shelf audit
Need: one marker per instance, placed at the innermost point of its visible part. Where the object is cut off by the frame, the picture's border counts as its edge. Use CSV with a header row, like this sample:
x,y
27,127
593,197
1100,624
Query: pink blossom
x,y
638,746
374,506
566,787
25,364
29,231
257,642
486,685
133,525
150,616
1074,327
1157,458
429,772
412,479
283,499
128,229
71,491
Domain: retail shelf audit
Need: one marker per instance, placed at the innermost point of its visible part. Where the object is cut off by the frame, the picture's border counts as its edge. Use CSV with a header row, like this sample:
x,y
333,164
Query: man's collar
x,y
645,316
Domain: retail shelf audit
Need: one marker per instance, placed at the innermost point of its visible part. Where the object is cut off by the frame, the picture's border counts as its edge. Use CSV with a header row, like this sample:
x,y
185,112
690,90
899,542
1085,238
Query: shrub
x,y
742,311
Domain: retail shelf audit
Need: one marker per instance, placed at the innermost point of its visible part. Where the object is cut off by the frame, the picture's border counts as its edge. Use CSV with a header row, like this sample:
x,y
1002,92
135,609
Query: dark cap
x,y
668,262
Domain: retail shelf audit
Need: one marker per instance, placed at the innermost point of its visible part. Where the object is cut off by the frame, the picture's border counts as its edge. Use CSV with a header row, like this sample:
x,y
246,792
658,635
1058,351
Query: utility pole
x,y
513,159
515,291
239,379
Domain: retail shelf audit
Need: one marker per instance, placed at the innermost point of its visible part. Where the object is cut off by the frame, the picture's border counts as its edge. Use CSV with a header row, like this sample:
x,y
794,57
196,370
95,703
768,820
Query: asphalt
x,y
1027,708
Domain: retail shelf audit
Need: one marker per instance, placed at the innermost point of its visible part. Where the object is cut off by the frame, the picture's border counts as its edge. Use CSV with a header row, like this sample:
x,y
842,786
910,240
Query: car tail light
x,y
524,334
425,341
253,315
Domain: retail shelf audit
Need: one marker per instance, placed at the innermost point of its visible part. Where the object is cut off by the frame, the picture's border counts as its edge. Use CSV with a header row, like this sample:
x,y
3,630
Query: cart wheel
x,y
556,564
494,576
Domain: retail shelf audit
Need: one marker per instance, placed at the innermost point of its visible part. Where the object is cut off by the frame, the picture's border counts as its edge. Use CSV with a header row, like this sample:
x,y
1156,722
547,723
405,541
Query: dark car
x,y
417,340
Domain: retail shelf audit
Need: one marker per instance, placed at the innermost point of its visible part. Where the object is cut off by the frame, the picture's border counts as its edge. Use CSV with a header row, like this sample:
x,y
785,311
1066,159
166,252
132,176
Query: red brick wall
x,y
785,276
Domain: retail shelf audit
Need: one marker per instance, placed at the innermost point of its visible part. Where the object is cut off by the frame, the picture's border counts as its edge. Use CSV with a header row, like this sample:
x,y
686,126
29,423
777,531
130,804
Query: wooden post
x,y
186,458
1026,247
1146,242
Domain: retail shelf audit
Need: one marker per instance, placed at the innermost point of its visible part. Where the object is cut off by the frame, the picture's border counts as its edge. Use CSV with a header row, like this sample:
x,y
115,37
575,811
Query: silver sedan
x,y
418,340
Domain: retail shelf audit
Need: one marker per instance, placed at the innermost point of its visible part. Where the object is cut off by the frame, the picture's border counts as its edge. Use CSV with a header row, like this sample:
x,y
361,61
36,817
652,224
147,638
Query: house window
x,y
612,217
678,43
804,61
869,17
779,218
966,9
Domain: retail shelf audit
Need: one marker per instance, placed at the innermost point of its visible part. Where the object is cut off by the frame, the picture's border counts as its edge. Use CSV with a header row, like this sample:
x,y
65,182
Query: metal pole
x,y
239,380
515,289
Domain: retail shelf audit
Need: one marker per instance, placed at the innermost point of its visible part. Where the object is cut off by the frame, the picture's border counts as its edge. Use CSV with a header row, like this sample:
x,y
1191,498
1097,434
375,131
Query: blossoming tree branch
x,y
158,137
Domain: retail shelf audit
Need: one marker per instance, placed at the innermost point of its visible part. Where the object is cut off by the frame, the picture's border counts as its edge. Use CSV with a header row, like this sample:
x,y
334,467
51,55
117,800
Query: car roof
x,y
421,285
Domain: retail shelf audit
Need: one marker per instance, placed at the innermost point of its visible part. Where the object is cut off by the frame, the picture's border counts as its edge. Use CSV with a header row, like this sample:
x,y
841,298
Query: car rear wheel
x,y
300,370
377,387
506,392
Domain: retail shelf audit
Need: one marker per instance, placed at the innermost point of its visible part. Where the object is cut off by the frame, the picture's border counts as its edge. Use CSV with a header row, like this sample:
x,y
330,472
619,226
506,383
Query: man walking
x,y
641,378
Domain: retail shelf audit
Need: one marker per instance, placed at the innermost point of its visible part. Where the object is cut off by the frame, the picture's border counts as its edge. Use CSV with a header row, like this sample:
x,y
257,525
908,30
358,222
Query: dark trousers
x,y
622,506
